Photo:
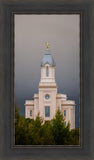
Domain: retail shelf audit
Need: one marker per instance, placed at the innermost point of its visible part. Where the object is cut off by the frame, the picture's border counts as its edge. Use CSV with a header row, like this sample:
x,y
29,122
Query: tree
x,y
20,128
75,136
36,130
46,134
60,132
39,132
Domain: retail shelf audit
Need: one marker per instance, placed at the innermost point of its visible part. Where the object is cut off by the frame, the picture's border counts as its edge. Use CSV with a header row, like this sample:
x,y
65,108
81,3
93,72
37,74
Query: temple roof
x,y
47,58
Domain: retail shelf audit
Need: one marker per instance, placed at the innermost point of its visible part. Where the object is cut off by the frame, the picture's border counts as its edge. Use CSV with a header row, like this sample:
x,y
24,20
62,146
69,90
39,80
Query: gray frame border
x,y
7,149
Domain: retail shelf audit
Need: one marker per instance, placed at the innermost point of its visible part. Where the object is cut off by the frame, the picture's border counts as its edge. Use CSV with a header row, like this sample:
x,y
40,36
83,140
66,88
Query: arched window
x,y
47,111
30,112
64,112
47,71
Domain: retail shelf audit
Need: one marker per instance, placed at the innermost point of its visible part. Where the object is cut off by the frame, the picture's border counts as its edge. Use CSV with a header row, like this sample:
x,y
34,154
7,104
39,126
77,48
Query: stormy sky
x,y
62,32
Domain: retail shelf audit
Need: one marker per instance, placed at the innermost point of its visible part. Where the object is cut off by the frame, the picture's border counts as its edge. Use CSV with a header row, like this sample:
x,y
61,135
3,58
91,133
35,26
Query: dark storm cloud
x,y
62,34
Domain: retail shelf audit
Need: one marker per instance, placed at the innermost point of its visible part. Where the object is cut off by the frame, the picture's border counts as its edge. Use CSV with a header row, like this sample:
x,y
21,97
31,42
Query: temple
x,y
47,100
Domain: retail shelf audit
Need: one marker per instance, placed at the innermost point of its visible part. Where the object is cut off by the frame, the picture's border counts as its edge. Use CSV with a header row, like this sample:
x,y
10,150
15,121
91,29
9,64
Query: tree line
x,y
36,132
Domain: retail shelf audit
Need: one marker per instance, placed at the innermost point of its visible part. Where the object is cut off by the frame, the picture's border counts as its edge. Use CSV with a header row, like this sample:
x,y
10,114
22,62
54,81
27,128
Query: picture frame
x,y
8,149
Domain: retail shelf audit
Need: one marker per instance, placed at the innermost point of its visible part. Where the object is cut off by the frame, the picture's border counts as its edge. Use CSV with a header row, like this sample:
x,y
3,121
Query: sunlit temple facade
x,y
47,100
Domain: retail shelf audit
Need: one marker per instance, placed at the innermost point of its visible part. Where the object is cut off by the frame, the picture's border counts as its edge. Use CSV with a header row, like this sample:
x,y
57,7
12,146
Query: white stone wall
x,y
70,114
73,117
27,111
51,77
48,86
51,102
54,102
36,105
60,97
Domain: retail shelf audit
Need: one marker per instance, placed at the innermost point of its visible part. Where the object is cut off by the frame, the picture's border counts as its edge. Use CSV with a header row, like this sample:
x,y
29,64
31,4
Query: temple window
x,y
30,112
47,71
64,112
47,111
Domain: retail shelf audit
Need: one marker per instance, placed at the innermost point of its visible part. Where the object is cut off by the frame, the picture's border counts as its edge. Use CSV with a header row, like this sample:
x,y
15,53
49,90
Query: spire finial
x,y
47,44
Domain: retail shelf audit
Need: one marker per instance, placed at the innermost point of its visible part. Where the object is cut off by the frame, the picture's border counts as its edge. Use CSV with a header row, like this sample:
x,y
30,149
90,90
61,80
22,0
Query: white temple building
x,y
47,101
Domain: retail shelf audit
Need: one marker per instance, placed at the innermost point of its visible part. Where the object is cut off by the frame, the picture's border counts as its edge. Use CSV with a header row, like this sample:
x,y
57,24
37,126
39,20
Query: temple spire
x,y
47,58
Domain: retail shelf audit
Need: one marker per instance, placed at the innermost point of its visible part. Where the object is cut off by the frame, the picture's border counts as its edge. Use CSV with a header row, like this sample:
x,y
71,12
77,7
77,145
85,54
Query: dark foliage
x,y
36,132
